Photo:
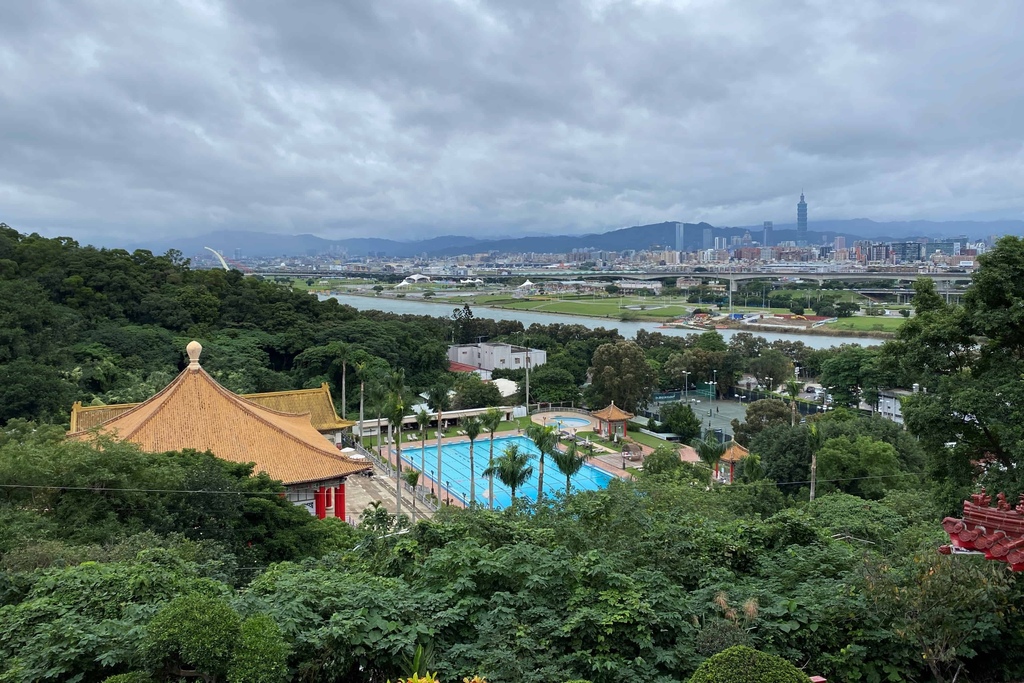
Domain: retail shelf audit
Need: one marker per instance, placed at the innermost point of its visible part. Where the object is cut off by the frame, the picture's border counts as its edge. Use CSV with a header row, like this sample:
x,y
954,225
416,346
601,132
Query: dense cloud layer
x,y
488,117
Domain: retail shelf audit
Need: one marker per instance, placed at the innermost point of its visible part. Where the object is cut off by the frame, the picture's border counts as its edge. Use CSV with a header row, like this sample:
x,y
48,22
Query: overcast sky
x,y
404,118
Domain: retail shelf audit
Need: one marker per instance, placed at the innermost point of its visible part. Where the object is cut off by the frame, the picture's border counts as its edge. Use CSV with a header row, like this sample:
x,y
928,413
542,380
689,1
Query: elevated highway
x,y
731,276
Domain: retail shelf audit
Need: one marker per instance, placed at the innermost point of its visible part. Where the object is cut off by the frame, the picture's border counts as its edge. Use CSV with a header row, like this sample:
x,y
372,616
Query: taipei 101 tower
x,y
801,221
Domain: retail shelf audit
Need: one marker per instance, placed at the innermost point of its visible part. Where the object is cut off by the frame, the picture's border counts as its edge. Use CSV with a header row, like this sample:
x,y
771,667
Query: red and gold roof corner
x,y
612,413
997,532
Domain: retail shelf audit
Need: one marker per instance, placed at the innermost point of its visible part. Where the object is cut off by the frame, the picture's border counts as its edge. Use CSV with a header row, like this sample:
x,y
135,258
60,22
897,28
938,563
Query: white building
x,y
889,405
638,285
492,356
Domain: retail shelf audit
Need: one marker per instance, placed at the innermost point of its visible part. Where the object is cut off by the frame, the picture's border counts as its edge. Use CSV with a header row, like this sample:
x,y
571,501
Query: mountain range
x,y
269,245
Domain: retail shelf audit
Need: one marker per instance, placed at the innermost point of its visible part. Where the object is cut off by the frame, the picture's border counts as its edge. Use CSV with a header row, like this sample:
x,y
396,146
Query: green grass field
x,y
868,323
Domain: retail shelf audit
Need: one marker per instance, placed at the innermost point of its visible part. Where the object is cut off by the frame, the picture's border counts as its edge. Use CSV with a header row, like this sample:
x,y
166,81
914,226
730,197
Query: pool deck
x,y
606,459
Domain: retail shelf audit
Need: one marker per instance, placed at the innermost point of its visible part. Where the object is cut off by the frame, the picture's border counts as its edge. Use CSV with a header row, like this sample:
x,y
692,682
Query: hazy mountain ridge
x,y
269,245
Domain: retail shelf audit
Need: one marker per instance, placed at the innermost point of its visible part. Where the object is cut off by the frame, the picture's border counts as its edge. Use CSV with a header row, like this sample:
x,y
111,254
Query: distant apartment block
x,y
490,356
908,252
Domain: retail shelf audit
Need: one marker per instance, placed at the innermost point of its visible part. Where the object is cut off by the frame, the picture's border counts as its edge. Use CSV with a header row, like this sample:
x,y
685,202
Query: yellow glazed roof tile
x,y
194,411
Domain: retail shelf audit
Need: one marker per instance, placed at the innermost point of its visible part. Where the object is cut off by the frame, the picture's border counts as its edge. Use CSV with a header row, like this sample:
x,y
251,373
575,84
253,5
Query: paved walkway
x,y
361,491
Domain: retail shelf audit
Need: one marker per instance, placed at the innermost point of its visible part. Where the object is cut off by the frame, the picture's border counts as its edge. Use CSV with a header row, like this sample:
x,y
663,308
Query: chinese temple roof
x,y
317,402
195,412
612,414
734,452
997,532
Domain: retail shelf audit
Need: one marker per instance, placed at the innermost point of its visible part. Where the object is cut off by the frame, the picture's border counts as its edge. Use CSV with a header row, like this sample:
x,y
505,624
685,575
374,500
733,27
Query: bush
x,y
741,664
133,677
194,632
261,655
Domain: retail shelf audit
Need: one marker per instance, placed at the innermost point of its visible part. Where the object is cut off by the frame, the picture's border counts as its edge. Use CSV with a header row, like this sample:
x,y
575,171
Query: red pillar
x,y
320,502
339,502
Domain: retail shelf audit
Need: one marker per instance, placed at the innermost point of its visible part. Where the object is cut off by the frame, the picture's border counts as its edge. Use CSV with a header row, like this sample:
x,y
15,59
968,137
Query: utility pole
x,y
814,471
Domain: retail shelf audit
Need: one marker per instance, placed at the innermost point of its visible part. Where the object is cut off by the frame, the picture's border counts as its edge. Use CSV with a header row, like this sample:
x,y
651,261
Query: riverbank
x,y
570,308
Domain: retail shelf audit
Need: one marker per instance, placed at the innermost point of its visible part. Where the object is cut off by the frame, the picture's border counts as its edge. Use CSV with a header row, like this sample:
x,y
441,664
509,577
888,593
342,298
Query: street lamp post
x,y
686,386
714,387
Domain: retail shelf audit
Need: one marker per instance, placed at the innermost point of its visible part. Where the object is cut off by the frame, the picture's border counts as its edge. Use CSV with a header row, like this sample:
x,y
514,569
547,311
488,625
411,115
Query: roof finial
x,y
193,350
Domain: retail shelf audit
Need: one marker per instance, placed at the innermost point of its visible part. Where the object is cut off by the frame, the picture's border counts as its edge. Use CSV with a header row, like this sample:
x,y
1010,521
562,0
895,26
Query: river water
x,y
527,318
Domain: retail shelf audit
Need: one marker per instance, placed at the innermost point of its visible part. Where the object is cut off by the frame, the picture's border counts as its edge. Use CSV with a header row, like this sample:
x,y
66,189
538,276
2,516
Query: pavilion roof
x,y
195,412
612,414
734,452
317,402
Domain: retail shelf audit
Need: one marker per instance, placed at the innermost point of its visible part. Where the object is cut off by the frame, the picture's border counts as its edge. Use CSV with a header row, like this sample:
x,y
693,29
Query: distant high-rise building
x,y
801,218
840,243
708,238
908,252
767,242
237,254
680,246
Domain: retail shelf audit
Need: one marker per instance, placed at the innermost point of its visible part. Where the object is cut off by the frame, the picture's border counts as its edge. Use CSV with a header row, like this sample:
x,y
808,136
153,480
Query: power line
x,y
462,481
61,487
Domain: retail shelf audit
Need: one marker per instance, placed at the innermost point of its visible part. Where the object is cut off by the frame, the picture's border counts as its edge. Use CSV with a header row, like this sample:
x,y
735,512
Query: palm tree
x,y
793,390
491,420
342,356
709,450
423,421
395,413
440,401
360,370
544,438
569,462
473,428
379,399
512,467
412,478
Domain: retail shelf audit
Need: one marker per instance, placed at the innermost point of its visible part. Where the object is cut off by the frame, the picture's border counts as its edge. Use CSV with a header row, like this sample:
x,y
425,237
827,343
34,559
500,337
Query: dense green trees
x,y
760,416
681,421
114,561
967,363
620,374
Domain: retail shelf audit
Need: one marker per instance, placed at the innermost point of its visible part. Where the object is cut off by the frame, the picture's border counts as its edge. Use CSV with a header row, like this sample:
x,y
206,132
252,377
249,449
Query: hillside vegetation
x,y
152,567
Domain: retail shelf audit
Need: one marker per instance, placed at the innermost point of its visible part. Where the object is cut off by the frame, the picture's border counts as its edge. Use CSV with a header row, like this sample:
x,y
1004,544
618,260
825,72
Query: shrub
x,y
133,677
194,632
261,655
742,664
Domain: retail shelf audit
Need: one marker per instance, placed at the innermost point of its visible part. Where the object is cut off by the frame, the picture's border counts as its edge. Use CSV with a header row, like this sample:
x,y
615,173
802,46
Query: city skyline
x,y
130,118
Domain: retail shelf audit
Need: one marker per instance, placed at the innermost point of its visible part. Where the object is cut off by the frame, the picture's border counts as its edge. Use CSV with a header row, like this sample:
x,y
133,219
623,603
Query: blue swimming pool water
x,y
455,469
564,422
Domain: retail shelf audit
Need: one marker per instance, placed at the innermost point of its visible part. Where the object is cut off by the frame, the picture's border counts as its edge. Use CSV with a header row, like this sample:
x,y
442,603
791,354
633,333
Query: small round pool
x,y
564,422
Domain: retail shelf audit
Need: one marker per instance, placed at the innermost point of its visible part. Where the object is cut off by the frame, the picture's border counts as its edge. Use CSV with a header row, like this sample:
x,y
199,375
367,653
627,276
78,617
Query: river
x,y
527,318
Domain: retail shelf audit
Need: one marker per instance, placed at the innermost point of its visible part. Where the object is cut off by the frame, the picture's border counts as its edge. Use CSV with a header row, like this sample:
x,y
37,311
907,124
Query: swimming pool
x,y
455,470
564,422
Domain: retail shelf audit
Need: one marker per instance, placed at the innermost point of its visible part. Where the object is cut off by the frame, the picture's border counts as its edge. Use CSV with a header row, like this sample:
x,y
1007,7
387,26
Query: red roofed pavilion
x,y
611,421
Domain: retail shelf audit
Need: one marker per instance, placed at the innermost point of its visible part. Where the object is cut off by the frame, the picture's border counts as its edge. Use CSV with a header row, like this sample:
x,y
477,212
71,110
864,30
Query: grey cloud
x,y
342,117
